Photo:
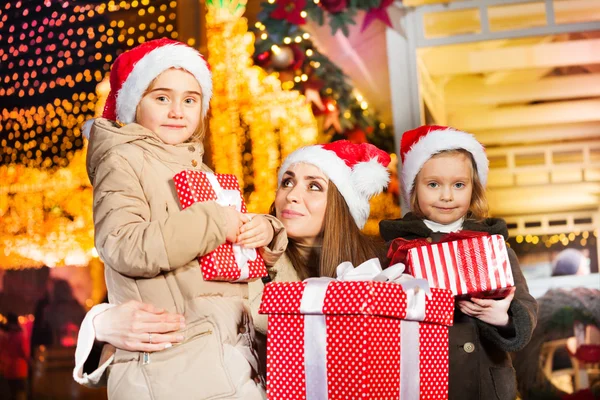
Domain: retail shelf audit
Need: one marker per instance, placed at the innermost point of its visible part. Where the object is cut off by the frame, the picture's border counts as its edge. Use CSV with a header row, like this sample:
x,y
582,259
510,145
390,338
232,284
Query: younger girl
x,y
444,172
161,91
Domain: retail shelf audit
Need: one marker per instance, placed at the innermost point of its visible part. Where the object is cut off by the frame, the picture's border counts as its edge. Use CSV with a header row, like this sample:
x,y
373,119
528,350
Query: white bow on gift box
x,y
416,289
315,330
226,198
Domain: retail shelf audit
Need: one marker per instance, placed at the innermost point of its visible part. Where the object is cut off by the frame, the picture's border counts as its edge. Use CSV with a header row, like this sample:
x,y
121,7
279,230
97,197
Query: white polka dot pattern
x,y
434,361
218,265
363,322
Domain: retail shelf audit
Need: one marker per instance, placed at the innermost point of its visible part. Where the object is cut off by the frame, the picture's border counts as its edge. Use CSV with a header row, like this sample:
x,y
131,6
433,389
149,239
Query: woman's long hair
x,y
342,241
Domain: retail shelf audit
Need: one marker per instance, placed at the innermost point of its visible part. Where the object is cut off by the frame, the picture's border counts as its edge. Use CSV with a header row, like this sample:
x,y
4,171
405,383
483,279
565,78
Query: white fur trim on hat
x,y
435,142
356,185
153,64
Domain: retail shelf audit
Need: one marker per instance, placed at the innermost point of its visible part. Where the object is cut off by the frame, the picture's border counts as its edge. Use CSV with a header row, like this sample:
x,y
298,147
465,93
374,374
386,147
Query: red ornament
x,y
356,135
263,59
290,10
299,56
333,6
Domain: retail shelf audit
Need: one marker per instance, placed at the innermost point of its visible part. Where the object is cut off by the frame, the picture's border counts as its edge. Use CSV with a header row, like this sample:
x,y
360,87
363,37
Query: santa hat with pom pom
x,y
133,72
420,144
359,171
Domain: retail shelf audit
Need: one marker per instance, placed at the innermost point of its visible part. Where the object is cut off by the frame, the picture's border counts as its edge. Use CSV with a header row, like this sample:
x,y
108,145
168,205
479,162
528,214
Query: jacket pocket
x,y
124,382
505,382
192,370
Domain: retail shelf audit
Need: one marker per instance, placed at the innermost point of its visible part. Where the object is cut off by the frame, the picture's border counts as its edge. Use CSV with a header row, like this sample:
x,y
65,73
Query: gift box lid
x,y
383,299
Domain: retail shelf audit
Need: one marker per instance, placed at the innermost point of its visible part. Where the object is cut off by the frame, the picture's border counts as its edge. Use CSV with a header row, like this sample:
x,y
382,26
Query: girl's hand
x,y
493,312
235,220
258,232
128,326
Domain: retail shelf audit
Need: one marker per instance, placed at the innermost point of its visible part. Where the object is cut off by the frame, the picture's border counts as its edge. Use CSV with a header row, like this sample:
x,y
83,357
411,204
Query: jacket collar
x,y
411,227
106,135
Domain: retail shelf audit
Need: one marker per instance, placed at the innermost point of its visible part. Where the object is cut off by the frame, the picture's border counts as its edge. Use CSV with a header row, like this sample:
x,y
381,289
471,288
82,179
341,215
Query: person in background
x,y
14,357
570,262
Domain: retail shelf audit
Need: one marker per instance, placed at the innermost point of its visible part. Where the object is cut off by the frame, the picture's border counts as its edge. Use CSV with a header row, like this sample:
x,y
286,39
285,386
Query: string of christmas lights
x,y
53,54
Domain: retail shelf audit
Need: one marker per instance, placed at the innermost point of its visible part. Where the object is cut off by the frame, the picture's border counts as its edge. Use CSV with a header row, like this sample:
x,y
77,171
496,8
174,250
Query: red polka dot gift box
x,y
228,262
331,339
468,263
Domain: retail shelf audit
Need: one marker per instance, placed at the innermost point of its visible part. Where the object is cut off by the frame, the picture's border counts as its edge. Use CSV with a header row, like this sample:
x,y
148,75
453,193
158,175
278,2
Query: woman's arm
x,y
127,326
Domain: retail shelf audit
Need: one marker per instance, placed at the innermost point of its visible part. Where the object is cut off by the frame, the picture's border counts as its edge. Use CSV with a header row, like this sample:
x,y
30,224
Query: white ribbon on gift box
x,y
315,330
226,198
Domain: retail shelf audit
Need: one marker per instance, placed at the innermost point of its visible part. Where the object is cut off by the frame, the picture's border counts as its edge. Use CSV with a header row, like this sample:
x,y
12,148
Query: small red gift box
x,y
228,262
353,340
475,266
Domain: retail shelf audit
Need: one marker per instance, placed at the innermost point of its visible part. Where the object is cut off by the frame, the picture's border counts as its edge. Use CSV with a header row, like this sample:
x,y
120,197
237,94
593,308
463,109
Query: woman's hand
x,y
136,326
493,312
258,232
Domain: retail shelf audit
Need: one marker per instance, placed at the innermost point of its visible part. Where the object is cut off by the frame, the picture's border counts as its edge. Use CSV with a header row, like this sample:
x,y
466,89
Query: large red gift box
x,y
477,266
228,262
357,342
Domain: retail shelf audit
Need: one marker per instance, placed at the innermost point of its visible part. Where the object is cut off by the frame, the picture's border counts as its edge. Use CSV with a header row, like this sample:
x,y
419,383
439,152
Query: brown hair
x,y
198,135
478,209
342,241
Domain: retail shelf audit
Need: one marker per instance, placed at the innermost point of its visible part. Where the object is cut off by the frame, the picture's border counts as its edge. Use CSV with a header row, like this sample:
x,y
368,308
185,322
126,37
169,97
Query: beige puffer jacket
x,y
282,271
149,247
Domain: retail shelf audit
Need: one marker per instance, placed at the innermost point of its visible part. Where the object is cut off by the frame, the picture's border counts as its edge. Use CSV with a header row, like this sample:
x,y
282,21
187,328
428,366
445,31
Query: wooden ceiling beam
x,y
457,60
526,116
465,91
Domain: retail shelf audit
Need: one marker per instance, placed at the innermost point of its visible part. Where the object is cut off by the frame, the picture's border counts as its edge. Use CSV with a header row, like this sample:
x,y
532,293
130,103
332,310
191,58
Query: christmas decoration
x,y
379,13
308,70
282,57
254,123
52,56
290,11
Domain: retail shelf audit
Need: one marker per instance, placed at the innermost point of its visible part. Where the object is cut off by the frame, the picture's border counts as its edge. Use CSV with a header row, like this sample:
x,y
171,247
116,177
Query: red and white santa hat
x,y
419,145
359,171
133,71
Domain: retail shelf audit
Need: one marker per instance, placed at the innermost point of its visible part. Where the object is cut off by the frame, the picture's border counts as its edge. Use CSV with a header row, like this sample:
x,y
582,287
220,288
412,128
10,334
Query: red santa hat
x,y
359,171
419,145
133,71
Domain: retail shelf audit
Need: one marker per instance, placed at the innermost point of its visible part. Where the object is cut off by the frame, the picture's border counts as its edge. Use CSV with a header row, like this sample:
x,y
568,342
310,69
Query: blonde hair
x,y
478,209
200,132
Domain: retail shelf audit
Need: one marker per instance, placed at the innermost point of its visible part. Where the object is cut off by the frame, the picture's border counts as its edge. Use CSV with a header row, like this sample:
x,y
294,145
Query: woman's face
x,y
300,202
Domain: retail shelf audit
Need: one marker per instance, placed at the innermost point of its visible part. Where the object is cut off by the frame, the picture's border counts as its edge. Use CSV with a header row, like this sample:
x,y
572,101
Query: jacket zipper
x,y
146,355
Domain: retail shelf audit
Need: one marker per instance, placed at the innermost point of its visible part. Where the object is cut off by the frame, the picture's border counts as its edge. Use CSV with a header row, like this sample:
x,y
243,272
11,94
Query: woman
x,y
322,201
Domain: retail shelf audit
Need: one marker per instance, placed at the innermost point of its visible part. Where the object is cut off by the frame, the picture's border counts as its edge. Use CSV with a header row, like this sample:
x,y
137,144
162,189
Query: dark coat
x,y
480,366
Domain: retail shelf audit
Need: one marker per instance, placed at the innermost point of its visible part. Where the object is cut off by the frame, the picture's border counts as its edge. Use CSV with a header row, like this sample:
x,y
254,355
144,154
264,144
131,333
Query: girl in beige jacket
x,y
161,91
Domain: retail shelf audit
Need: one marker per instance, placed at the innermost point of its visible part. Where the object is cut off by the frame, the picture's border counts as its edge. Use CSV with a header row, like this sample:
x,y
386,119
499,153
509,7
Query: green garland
x,y
318,71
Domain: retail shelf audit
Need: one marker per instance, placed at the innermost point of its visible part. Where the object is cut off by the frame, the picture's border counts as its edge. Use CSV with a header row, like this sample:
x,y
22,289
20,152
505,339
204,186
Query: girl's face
x,y
444,187
172,106
300,202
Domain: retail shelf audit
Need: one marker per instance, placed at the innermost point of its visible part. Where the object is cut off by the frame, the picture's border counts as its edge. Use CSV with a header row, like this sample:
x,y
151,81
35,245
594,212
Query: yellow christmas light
x,y
275,121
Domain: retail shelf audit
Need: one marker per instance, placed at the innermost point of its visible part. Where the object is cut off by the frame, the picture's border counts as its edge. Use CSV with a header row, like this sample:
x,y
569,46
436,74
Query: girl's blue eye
x,y
459,185
432,185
